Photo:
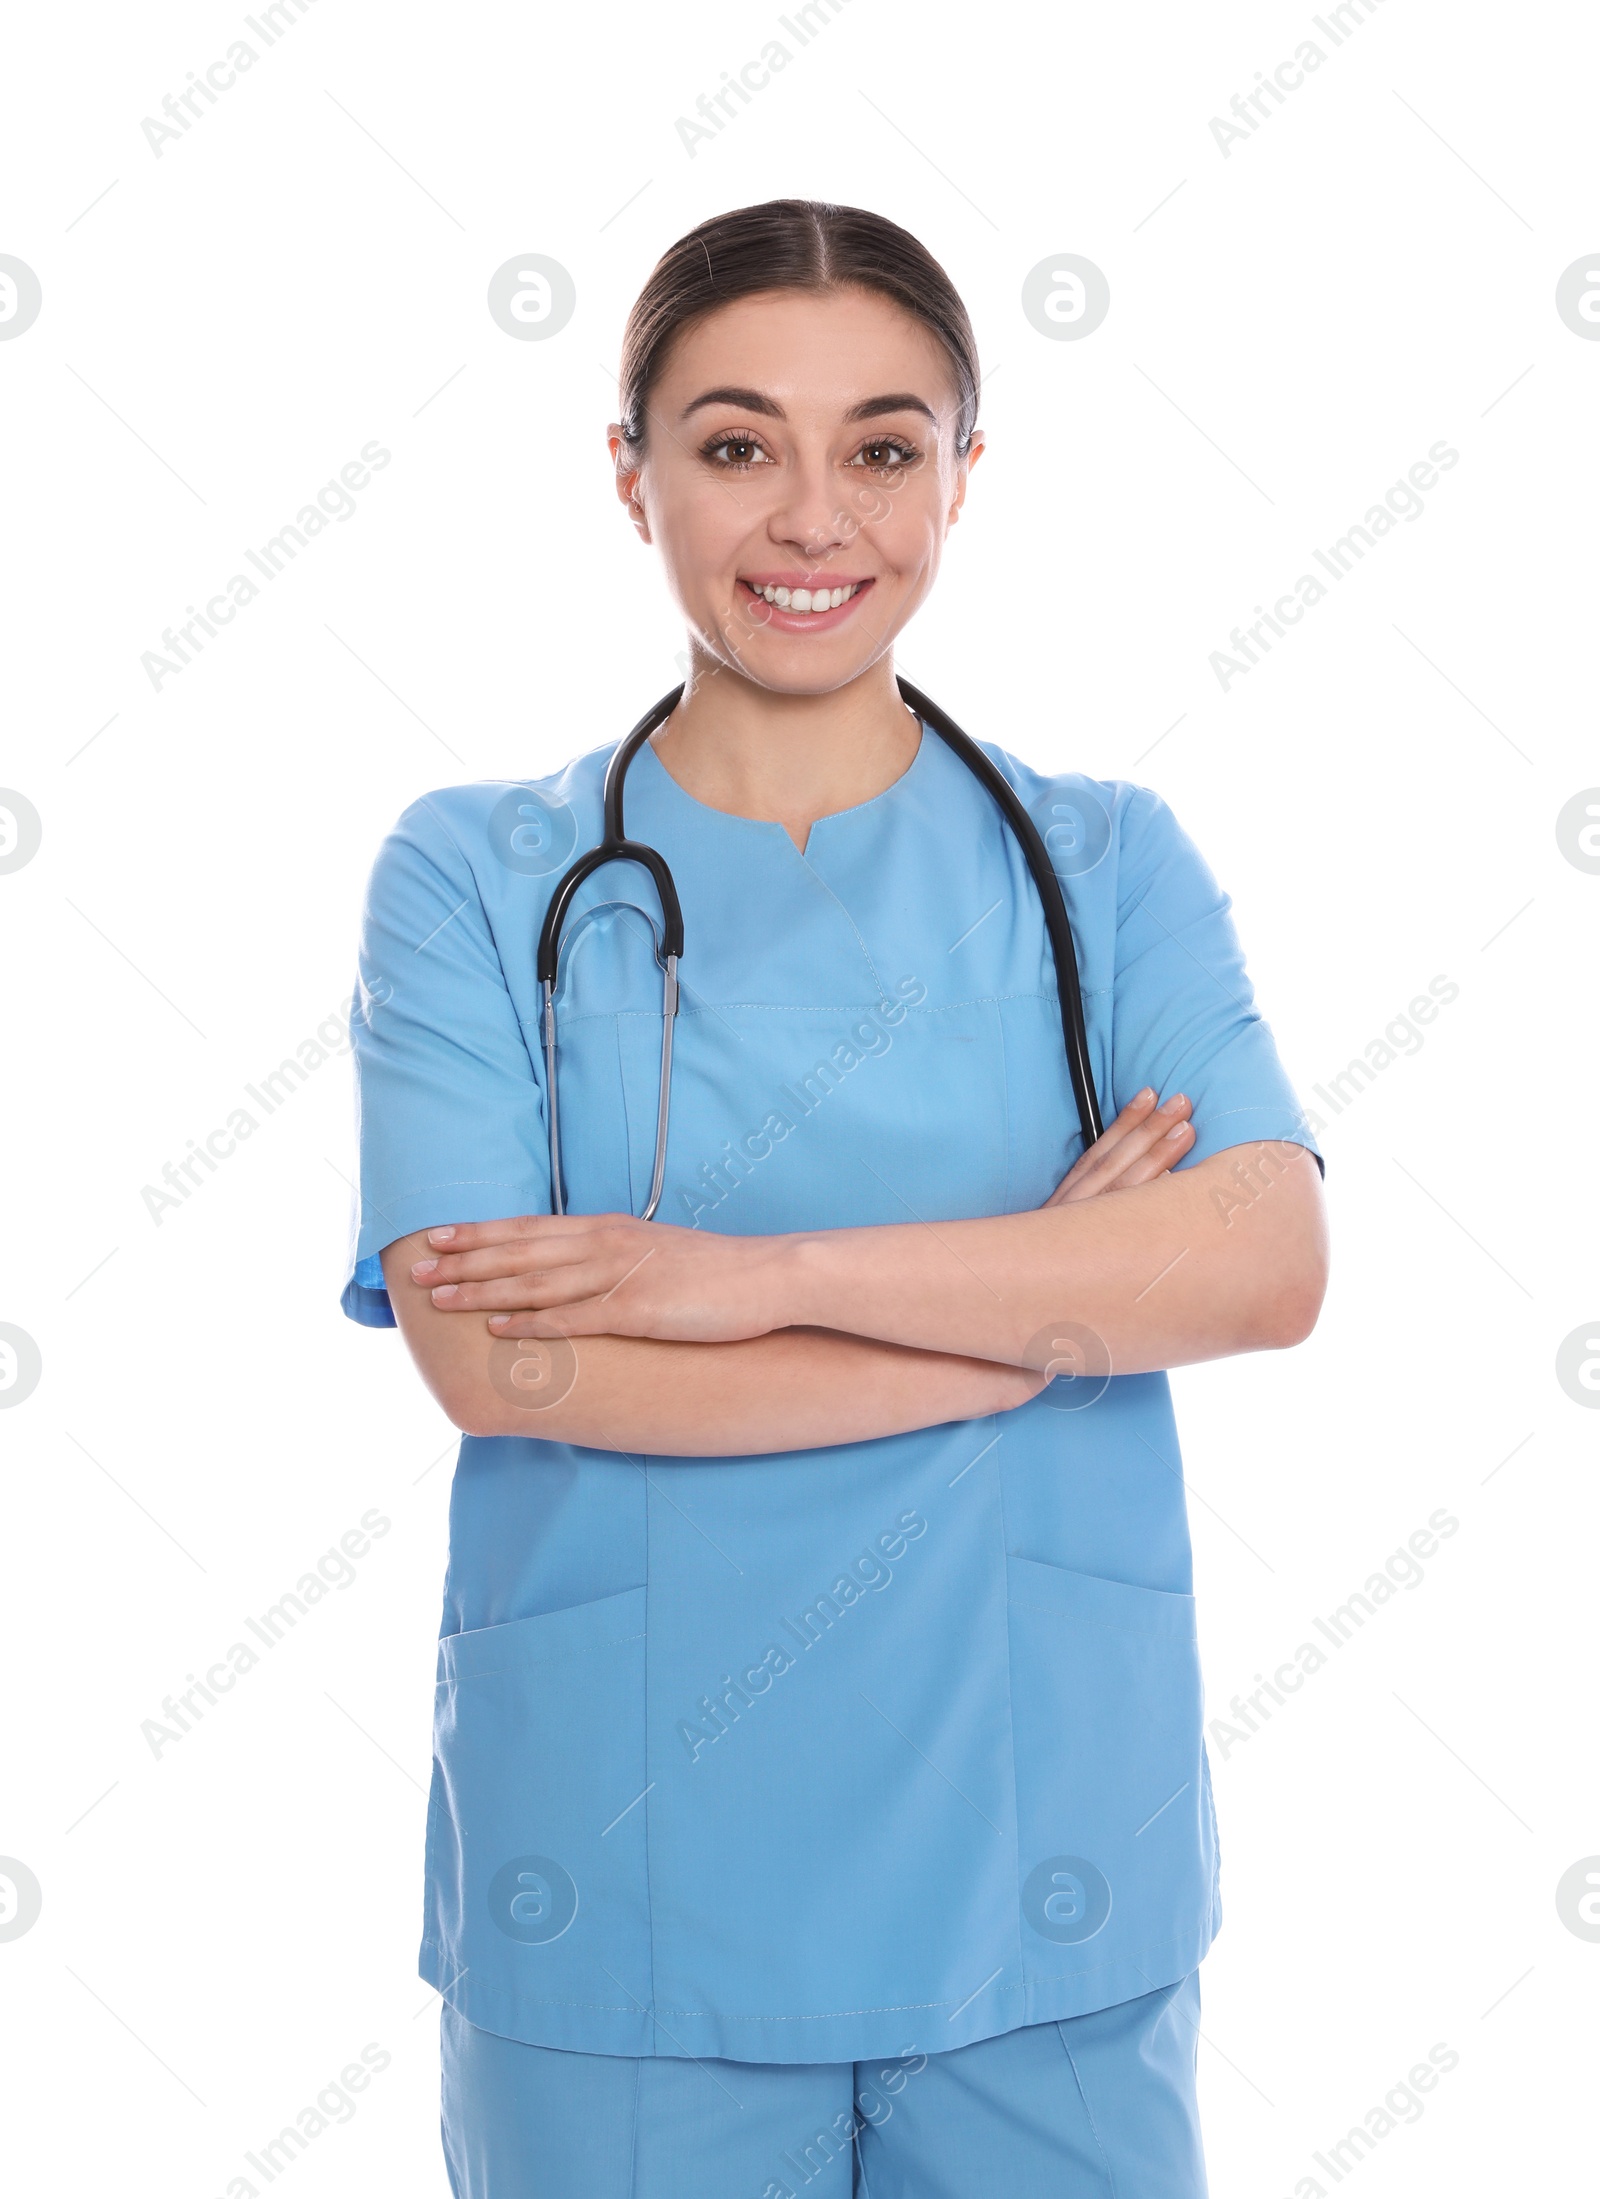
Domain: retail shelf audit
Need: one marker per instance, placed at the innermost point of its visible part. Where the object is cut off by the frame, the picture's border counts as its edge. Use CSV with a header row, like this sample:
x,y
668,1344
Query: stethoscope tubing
x,y
1052,898
614,846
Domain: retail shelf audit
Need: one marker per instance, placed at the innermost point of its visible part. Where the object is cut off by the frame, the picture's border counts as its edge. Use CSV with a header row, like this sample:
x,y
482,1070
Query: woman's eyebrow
x,y
751,400
873,408
747,400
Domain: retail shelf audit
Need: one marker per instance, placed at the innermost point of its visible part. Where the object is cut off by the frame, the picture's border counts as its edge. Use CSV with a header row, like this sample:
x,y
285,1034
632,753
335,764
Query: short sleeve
x,y
450,1121
1184,1016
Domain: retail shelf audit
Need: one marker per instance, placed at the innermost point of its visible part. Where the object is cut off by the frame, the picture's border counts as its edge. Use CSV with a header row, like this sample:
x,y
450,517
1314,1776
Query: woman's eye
x,y
884,453
741,450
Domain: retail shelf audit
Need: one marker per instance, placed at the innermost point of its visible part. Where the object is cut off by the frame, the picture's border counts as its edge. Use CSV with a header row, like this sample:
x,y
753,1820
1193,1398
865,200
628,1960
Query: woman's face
x,y
798,443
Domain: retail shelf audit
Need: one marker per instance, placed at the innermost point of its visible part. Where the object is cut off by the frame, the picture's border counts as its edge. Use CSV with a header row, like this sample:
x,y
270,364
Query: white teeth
x,y
809,599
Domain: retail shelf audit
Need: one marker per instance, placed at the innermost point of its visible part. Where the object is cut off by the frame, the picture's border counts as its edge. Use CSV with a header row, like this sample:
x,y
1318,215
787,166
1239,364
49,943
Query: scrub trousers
x,y
1100,2106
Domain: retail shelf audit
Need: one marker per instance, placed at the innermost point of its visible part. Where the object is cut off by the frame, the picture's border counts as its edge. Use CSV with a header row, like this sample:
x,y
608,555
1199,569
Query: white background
x,y
1292,326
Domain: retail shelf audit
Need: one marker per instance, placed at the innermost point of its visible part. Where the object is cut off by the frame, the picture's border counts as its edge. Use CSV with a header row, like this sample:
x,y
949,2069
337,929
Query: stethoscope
x,y
615,847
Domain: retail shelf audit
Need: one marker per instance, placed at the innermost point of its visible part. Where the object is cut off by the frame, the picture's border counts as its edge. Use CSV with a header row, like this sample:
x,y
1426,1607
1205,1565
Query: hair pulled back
x,y
791,244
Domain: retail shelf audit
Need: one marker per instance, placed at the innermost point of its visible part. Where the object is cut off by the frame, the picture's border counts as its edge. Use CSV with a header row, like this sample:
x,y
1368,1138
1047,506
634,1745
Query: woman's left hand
x,y
605,1274
1142,1144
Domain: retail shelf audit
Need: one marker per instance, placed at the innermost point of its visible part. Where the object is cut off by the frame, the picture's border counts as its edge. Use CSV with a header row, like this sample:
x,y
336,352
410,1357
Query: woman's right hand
x,y
1143,1143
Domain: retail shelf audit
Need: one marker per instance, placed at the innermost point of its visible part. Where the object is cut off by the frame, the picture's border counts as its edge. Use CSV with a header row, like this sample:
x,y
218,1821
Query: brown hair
x,y
792,244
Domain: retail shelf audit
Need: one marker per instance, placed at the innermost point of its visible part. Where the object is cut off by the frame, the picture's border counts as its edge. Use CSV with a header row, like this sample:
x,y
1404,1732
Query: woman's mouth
x,y
798,604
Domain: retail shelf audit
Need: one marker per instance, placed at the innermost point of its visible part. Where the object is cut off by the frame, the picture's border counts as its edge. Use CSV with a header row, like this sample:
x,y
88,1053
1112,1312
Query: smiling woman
x,y
974,1827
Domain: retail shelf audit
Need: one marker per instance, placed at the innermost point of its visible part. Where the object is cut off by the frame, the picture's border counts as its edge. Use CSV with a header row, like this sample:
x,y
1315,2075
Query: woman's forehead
x,y
847,345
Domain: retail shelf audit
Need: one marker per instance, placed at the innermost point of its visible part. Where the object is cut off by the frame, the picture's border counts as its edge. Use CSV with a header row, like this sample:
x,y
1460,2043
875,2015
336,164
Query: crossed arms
x,y
692,1344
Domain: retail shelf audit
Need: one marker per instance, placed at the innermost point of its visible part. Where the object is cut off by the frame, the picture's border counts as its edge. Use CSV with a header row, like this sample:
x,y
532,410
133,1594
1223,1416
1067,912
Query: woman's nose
x,y
810,515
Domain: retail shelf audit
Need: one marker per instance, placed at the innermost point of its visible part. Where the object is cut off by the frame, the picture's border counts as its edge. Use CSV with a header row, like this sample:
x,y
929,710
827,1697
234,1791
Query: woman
x,y
820,1800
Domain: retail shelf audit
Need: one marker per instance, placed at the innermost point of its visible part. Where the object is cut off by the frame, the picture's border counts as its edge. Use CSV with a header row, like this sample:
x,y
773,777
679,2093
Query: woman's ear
x,y
630,480
964,466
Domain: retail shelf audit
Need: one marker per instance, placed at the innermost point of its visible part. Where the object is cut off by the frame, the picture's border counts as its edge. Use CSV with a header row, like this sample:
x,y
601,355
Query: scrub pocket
x,y
1116,1837
537,1905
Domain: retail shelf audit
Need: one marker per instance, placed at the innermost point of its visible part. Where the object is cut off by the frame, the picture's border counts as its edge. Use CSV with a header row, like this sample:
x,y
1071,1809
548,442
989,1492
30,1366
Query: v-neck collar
x,y
666,787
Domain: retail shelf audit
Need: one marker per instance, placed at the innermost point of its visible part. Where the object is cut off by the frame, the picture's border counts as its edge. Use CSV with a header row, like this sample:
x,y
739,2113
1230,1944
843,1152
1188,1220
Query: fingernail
x,y
1148,1093
1171,1106
441,1236
444,1291
419,1268
498,1320
1178,1130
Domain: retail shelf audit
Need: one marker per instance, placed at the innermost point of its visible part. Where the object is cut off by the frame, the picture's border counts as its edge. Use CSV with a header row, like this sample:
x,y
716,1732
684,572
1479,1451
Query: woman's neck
x,y
788,759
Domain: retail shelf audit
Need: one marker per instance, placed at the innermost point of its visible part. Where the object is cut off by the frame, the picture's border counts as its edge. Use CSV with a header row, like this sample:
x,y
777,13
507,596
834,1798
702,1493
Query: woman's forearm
x,y
1227,1256
795,1389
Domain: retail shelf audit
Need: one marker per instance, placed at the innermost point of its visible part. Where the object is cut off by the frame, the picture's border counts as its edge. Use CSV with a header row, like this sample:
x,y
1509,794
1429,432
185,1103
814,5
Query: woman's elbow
x,y
1293,1275
471,1403
1295,1303
1292,1321
478,1409
477,1417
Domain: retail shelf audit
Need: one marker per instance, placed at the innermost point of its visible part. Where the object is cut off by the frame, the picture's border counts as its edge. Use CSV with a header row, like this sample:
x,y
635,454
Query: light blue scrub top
x,y
795,1758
